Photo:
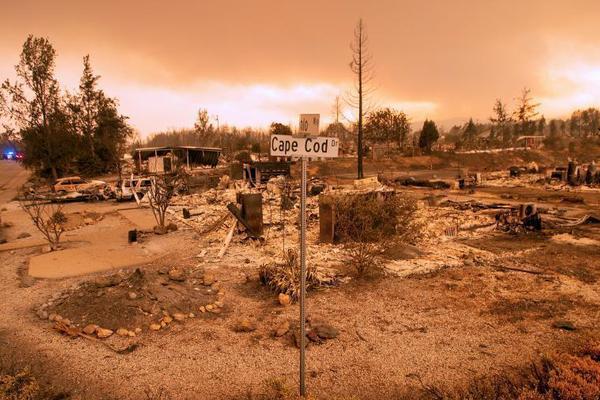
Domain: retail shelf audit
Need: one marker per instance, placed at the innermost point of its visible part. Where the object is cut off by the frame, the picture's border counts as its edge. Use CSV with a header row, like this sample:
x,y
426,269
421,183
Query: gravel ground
x,y
443,327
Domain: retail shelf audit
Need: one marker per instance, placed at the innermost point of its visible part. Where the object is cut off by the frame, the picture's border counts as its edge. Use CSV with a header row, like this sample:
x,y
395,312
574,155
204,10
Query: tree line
x,y
505,127
60,132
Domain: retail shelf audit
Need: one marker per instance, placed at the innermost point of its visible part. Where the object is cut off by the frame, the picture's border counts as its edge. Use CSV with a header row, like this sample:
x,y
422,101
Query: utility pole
x,y
219,132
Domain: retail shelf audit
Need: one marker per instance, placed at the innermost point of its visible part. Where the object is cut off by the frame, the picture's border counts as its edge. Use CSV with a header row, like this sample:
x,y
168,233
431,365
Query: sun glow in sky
x,y
251,63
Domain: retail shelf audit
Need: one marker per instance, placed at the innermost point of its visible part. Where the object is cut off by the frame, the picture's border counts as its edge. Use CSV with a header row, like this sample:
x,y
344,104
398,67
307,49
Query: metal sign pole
x,y
303,279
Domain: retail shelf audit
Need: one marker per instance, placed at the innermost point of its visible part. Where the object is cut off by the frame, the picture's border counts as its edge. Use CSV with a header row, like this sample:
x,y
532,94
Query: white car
x,y
76,184
125,188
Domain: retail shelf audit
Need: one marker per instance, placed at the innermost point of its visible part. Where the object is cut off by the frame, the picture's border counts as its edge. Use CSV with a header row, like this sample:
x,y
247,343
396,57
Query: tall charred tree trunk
x,y
360,107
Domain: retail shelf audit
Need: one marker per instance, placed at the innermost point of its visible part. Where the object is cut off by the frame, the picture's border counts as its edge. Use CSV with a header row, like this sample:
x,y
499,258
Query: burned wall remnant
x,y
250,213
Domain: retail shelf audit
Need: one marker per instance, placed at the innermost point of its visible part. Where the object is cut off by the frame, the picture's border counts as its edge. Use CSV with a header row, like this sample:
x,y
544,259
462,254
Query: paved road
x,y
12,177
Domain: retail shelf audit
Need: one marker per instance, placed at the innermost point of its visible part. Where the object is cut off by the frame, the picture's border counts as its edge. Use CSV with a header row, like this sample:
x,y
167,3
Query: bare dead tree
x,y
47,216
162,190
362,67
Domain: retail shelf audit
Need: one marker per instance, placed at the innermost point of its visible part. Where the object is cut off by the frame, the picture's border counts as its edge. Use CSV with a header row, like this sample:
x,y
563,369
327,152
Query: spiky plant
x,y
285,277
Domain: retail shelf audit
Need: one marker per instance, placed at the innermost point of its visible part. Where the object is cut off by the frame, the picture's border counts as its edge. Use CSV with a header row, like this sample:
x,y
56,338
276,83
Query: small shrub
x,y
163,188
285,277
21,386
47,217
367,224
563,377
575,377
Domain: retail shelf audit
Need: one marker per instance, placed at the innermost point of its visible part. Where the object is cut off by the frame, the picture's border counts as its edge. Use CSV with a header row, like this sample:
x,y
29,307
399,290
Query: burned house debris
x,y
156,160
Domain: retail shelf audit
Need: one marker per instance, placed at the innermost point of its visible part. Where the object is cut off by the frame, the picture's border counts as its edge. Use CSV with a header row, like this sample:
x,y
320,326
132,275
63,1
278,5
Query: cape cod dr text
x,y
284,145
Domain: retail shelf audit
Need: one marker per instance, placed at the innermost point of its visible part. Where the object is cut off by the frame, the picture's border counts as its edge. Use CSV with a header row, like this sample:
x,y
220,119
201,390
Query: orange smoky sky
x,y
254,62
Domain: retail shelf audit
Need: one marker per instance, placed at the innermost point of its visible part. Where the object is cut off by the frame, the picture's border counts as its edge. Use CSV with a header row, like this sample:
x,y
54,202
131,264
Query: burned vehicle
x,y
124,190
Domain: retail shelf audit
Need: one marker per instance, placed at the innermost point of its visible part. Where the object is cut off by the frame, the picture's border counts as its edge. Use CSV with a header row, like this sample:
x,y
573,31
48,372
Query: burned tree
x,y
362,68
162,190
47,216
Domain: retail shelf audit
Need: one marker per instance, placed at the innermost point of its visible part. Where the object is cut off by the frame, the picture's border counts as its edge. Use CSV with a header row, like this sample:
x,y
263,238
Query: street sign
x,y
309,124
312,146
289,146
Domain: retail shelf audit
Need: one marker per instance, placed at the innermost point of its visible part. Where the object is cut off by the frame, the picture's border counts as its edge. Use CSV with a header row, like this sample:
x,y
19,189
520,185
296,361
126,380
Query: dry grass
x,y
20,386
562,377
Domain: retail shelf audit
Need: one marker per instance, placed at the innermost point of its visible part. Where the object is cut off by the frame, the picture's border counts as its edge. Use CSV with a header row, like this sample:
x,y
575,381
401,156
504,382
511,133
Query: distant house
x,y
530,142
158,160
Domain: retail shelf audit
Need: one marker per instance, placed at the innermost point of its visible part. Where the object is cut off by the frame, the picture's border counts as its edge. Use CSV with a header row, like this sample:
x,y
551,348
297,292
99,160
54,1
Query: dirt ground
x,y
453,308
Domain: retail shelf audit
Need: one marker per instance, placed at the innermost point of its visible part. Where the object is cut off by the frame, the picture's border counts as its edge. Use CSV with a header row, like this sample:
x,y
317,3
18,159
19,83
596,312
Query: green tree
x,y
541,125
469,134
202,125
103,131
585,123
429,135
86,106
278,128
553,139
525,113
387,125
336,129
111,136
501,122
36,107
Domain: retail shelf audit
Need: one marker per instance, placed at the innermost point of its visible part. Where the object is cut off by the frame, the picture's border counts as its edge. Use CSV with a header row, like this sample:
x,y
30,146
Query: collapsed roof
x,y
192,155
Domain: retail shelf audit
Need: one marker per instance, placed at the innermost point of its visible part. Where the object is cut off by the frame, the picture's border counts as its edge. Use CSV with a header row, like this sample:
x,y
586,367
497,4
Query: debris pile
x,y
525,218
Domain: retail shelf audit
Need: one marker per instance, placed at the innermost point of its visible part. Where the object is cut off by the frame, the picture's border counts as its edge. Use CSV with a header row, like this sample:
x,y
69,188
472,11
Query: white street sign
x,y
289,146
309,124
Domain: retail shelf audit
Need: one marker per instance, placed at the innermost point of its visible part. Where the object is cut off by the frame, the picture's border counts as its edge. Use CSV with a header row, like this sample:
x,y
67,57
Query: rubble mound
x,y
131,304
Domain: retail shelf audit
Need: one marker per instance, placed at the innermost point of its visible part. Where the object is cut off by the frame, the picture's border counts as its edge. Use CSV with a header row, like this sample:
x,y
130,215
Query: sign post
x,y
303,279
304,147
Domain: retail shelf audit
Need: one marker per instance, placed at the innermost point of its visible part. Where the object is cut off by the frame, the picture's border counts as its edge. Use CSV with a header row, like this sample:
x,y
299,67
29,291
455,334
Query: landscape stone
x,y
155,327
176,274
122,332
108,281
245,325
103,333
179,317
325,331
284,299
90,329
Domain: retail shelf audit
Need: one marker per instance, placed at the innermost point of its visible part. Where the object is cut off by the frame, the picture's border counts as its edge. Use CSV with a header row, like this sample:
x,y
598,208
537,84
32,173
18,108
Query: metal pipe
x,y
303,280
